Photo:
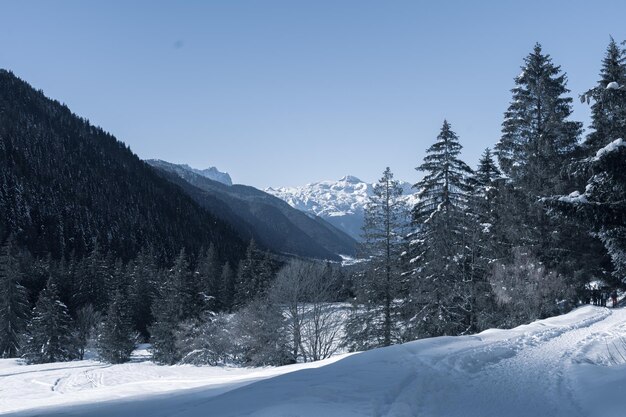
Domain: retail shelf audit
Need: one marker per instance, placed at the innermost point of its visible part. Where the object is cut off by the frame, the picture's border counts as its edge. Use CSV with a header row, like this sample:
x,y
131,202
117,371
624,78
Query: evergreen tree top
x,y
487,171
608,111
445,184
536,130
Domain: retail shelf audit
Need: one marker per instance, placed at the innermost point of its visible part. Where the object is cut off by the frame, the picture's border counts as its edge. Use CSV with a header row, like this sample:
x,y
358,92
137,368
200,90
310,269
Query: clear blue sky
x,y
289,92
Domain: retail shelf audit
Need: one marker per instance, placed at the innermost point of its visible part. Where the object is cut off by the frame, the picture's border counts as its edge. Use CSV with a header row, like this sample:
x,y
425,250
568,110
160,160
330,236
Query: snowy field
x,y
572,365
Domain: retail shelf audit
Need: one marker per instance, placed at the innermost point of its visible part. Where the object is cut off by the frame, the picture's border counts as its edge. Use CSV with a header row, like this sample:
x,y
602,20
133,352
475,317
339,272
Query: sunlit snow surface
x,y
571,365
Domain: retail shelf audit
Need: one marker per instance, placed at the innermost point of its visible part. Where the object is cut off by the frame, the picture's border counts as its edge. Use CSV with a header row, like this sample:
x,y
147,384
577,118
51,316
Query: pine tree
x,y
253,275
208,273
92,278
608,111
440,240
538,142
601,206
375,317
486,205
486,240
13,302
49,333
536,137
169,309
116,342
228,287
143,278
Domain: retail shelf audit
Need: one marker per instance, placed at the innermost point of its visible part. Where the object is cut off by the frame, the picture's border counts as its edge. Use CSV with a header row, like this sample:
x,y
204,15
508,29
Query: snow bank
x,y
554,367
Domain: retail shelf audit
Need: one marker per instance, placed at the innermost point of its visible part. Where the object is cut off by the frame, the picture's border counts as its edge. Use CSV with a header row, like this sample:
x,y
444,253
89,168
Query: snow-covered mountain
x,y
341,202
211,173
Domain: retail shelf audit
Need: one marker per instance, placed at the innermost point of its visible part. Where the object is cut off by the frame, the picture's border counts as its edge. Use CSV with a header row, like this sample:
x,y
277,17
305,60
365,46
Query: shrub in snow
x,y
87,318
258,330
526,290
207,342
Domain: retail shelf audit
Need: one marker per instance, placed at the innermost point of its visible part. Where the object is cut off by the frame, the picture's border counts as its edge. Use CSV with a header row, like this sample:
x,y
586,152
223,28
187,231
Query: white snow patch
x,y
611,147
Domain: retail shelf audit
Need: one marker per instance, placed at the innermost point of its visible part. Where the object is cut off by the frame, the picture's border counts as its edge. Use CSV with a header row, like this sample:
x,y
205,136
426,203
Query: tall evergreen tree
x,y
537,137
601,206
376,316
486,205
49,333
228,287
208,273
142,292
13,302
169,309
538,142
116,341
94,275
608,110
253,275
439,242
487,241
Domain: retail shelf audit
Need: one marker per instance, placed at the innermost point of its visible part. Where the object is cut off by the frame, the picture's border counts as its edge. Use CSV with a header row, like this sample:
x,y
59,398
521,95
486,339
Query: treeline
x,y
52,310
515,239
199,311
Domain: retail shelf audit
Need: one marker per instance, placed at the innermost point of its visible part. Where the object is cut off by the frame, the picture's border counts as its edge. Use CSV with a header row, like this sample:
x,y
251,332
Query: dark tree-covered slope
x,y
256,214
65,184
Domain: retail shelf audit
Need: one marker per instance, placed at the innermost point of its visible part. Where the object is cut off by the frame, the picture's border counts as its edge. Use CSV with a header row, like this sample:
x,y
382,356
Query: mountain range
x,y
258,215
341,203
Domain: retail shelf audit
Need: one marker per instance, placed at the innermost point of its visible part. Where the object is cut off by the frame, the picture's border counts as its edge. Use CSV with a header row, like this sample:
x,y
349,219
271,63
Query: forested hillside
x,y
65,184
259,215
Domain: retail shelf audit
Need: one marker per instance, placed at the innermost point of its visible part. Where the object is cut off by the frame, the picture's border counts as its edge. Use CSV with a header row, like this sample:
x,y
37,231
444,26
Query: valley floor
x,y
572,365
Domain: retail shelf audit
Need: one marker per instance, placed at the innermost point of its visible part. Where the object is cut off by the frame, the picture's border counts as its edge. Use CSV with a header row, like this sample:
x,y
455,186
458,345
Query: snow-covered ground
x,y
572,365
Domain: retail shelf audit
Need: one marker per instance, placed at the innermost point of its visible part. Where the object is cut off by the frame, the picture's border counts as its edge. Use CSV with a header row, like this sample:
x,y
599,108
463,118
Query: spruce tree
x,y
143,278
228,287
439,261
208,273
538,142
601,206
537,137
486,240
93,276
13,302
169,309
49,333
608,110
253,275
486,206
116,341
375,319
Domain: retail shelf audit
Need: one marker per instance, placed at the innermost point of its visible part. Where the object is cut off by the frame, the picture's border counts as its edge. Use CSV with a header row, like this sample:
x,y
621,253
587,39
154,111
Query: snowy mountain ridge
x,y
211,173
340,202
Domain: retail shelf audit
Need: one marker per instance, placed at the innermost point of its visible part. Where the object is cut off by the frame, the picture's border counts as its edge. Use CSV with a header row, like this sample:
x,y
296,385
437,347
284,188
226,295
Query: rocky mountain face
x,y
340,202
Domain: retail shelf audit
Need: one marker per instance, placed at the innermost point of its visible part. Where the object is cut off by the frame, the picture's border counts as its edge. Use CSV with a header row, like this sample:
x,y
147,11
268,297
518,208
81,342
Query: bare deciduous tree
x,y
304,290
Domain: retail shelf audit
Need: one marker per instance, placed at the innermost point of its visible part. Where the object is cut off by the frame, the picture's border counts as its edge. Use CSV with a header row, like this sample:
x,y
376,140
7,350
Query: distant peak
x,y
211,173
351,179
